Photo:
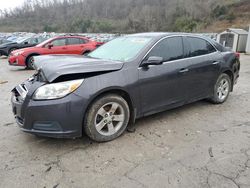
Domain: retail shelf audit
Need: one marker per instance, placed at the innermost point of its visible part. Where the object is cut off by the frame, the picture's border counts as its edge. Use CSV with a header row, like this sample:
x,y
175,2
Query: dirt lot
x,y
198,145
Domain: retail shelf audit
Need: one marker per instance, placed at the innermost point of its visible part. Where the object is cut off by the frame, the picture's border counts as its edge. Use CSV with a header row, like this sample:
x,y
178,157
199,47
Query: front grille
x,y
19,120
20,92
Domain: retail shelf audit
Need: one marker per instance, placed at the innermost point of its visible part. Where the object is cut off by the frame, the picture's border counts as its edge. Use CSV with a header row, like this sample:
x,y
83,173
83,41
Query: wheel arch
x,y
86,51
28,56
120,92
231,75
11,49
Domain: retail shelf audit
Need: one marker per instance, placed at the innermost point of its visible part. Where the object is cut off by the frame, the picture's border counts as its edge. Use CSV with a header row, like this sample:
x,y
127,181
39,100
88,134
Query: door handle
x,y
183,70
216,62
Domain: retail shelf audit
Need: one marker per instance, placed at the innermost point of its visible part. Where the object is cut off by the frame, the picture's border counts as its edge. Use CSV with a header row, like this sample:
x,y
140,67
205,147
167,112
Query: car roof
x,y
69,36
164,34
150,34
159,35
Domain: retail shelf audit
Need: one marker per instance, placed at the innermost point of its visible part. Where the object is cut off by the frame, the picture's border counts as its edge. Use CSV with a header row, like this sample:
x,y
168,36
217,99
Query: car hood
x,y
54,66
7,44
25,50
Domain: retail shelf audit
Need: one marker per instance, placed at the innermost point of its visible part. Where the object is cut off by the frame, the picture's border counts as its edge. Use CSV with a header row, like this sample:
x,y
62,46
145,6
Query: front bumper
x,y
61,118
16,60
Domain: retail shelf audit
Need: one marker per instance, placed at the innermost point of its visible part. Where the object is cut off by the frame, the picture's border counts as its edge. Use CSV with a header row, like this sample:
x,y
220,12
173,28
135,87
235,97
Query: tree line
x,y
123,16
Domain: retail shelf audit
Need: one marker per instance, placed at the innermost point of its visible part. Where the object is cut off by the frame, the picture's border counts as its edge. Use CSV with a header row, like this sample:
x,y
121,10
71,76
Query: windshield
x,y
121,49
22,39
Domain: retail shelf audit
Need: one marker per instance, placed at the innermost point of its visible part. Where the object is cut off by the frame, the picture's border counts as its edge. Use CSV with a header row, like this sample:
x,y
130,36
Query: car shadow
x,y
169,113
85,142
19,69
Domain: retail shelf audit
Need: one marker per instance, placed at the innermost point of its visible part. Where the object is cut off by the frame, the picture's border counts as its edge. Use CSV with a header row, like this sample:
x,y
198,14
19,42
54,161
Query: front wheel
x,y
222,89
30,63
107,118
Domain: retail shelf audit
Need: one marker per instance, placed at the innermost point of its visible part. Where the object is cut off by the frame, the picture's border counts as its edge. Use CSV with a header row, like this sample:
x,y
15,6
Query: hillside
x,y
126,16
240,18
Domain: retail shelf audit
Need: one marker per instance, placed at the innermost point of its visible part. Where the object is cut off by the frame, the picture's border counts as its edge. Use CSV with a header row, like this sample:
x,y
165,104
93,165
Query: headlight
x,y
18,53
57,90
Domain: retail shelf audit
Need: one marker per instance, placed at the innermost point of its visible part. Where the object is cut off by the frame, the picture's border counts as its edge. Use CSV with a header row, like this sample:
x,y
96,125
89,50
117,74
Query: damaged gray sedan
x,y
125,79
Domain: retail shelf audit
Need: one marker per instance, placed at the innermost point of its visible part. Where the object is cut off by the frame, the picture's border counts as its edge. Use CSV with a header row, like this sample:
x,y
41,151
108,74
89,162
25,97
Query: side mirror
x,y
153,60
26,43
50,45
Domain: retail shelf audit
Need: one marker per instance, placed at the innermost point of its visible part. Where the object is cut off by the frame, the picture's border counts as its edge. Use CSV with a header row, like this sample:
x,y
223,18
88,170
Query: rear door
x,y
204,66
76,45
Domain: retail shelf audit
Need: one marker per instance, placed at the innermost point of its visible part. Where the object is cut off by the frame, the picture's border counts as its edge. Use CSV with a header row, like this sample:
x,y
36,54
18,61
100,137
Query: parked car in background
x,y
58,45
2,41
126,78
19,43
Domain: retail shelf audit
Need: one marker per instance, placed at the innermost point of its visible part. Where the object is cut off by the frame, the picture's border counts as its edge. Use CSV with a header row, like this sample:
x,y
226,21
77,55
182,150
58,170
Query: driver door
x,y
164,85
58,47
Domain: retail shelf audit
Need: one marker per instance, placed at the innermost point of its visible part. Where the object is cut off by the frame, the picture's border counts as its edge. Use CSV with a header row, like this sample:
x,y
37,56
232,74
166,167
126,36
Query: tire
x,y
86,53
222,89
111,112
30,63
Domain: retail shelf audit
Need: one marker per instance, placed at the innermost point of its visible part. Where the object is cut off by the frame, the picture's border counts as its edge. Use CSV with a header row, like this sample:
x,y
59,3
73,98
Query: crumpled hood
x,y
53,66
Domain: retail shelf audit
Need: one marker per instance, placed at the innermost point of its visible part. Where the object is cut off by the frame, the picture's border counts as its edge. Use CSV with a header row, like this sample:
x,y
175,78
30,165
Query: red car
x,y
57,45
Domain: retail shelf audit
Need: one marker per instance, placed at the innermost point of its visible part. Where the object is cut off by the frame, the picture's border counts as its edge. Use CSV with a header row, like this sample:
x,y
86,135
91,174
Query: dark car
x,y
125,79
2,41
23,42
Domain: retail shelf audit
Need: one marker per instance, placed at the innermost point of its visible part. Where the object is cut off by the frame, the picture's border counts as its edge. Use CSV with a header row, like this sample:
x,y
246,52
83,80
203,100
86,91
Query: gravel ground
x,y
198,145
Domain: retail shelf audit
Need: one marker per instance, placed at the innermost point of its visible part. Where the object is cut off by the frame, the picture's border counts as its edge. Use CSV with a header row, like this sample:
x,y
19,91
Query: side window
x,y
169,49
73,41
198,46
82,41
59,42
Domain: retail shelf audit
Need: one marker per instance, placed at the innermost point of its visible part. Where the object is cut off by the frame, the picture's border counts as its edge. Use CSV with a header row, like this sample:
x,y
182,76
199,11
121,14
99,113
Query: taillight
x,y
237,55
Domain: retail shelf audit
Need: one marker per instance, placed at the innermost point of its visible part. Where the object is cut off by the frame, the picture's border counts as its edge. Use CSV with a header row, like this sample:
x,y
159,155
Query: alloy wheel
x,y
223,89
109,119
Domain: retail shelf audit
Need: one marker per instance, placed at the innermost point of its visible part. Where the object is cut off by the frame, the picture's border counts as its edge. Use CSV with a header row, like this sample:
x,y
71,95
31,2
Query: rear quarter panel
x,y
231,63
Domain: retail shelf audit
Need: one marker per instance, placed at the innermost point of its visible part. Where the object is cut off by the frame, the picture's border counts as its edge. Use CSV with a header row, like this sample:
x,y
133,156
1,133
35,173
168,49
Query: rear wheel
x,y
222,89
86,53
107,118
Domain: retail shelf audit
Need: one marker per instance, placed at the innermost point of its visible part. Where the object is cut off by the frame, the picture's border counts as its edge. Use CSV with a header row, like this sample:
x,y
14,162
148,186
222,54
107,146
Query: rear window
x,y
198,46
220,47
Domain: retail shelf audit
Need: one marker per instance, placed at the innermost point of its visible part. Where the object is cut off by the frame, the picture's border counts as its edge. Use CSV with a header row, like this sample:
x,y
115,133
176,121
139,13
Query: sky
x,y
7,4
